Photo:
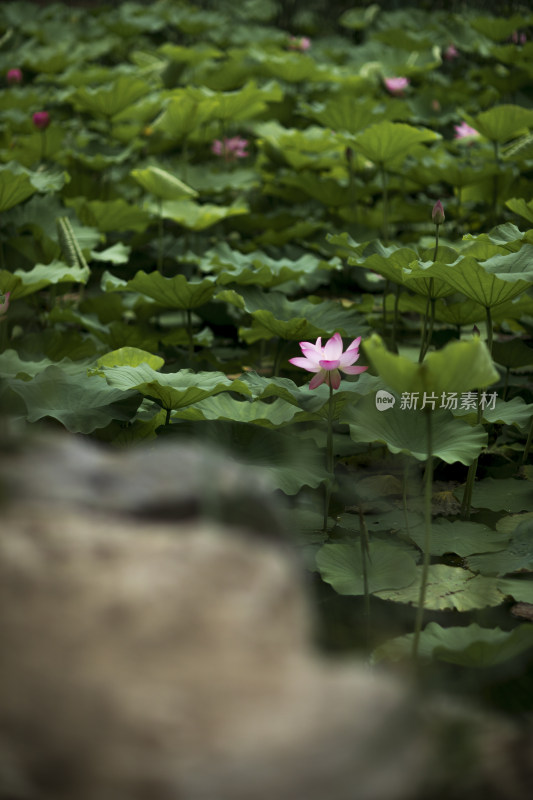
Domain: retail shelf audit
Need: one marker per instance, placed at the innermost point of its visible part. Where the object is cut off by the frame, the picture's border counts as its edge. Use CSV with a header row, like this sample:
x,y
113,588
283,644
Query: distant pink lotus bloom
x,y
451,52
396,85
4,305
328,361
14,76
230,149
303,43
41,120
464,131
435,105
518,38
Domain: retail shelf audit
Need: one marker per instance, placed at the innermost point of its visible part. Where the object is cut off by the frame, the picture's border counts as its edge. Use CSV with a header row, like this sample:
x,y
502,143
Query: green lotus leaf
x,y
359,18
389,262
15,185
502,123
520,590
81,403
461,537
176,292
505,494
183,114
387,567
289,462
22,283
116,254
519,206
110,215
270,415
274,315
243,103
195,216
12,365
505,412
449,588
419,277
513,354
405,431
388,143
517,556
346,112
131,357
162,183
171,390
469,645
110,99
258,269
458,367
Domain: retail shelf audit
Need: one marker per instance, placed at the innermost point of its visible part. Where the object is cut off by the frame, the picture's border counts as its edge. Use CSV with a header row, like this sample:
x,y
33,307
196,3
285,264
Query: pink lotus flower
x,y
14,76
41,120
302,44
463,131
396,85
518,38
328,361
451,52
4,305
230,148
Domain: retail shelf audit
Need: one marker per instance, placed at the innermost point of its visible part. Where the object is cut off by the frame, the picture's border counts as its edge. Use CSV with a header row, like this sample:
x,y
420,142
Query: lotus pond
x,y
187,193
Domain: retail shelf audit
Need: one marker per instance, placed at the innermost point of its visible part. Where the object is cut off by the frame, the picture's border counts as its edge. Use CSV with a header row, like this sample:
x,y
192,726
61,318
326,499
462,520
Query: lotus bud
x,y
437,215
41,120
14,76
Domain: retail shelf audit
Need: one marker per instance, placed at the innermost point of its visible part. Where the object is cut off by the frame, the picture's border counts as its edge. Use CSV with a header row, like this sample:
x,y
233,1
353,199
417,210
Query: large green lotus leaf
x,y
458,367
258,269
189,55
519,206
513,354
183,114
359,18
346,112
520,590
15,185
12,365
110,215
387,567
172,390
449,588
517,556
194,216
469,646
405,431
501,123
505,412
461,537
243,103
176,292
110,99
270,415
274,315
289,67
313,147
288,461
22,283
498,28
475,280
463,312
417,277
389,262
505,494
390,142
81,403
131,357
162,183
118,253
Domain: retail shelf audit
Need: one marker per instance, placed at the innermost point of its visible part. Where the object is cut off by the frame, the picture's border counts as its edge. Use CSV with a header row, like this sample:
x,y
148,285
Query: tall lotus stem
x,y
438,217
329,459
427,537
470,478
385,203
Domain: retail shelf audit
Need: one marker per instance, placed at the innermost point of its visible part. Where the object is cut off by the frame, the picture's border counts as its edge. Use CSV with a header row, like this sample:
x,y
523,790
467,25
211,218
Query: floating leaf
x,y
270,415
505,494
449,588
387,568
462,538
515,557
469,646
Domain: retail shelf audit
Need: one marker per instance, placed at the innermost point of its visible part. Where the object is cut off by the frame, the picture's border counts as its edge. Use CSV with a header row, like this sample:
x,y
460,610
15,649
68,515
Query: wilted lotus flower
x,y
437,215
302,44
451,52
230,148
463,131
328,361
396,85
14,76
41,120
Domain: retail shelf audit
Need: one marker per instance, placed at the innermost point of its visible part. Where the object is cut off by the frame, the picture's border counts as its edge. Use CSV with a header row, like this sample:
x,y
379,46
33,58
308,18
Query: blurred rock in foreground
x,y
145,659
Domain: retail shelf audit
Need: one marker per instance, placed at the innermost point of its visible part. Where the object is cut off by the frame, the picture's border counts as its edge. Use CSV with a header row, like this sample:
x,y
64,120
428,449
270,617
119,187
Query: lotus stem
x,y
365,558
427,538
528,443
329,458
385,203
160,238
470,478
489,329
190,336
